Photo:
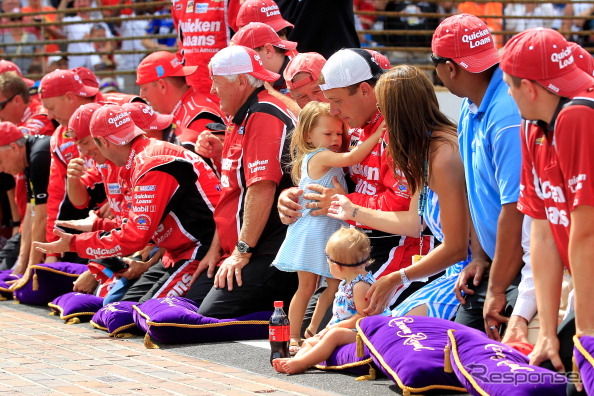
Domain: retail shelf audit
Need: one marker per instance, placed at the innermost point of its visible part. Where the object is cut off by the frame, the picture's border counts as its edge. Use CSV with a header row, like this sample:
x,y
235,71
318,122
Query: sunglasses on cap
x,y
7,101
438,59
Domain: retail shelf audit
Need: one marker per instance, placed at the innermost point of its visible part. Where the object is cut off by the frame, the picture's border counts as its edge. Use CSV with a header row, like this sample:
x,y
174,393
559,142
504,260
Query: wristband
x,y
403,278
14,223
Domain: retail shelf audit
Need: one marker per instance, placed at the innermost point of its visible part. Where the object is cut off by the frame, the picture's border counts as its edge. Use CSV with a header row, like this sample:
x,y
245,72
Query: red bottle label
x,y
279,333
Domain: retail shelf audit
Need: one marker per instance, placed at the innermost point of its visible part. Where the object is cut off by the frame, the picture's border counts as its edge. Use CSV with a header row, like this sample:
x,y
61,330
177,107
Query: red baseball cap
x,y
8,66
257,34
307,62
583,58
265,11
60,82
115,124
466,40
238,59
159,65
87,76
145,117
9,133
79,126
545,56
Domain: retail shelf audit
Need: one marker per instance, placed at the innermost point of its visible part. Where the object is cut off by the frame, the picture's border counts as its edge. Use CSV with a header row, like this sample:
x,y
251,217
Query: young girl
x,y
424,146
348,253
317,147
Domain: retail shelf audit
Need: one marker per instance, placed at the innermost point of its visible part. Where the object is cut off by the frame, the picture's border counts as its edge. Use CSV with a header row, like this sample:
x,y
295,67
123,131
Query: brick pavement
x,y
42,356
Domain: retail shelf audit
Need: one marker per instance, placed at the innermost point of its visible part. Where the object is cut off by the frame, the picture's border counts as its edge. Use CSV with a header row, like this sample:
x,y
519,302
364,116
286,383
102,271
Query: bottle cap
x,y
278,304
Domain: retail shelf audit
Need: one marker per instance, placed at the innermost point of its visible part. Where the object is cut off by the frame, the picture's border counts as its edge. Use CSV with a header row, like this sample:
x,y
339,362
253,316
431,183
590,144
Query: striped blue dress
x,y
305,244
438,295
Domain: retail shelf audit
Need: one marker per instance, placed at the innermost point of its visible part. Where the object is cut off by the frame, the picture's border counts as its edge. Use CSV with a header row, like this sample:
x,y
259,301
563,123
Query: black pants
x,y
471,313
262,285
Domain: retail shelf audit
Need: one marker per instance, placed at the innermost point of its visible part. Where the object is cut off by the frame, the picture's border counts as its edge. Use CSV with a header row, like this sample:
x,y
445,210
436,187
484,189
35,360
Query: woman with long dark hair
x,y
424,147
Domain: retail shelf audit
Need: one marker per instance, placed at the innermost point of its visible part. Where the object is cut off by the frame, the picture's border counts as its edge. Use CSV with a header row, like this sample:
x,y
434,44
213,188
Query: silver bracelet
x,y
403,278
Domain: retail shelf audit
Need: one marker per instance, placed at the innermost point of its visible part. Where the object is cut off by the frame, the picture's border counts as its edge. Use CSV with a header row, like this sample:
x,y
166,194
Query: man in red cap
x,y
28,154
173,196
90,79
163,83
62,92
264,11
466,60
557,99
253,173
273,50
301,76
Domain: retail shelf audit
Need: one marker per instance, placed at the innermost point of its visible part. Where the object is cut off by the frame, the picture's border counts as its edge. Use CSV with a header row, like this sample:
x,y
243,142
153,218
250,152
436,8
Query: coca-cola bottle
x,y
279,332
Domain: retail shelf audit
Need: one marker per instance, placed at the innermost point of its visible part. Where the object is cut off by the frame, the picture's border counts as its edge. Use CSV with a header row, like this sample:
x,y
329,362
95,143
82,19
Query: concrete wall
x,y
449,103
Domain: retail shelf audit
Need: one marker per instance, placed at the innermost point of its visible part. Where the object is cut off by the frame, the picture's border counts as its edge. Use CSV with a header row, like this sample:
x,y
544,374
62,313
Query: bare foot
x,y
278,364
293,366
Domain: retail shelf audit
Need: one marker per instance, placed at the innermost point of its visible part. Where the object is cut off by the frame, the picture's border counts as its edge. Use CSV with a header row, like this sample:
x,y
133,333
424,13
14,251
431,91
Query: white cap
x,y
237,59
349,66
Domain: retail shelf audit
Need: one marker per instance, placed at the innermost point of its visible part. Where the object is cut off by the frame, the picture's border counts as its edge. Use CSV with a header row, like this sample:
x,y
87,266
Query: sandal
x,y
294,346
308,333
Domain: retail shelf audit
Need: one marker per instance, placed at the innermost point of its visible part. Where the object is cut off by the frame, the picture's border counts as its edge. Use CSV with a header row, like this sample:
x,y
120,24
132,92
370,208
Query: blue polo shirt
x,y
489,138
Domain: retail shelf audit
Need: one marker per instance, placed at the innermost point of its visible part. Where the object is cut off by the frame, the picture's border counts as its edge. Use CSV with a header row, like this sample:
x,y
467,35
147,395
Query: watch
x,y
243,247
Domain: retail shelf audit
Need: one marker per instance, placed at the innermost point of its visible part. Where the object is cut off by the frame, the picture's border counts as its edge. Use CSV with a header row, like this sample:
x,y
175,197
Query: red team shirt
x,y
173,196
557,169
255,144
192,113
202,30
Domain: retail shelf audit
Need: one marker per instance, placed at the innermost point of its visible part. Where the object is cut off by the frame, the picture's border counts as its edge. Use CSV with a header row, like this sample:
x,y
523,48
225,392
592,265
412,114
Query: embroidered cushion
x,y
410,351
76,307
44,282
582,353
116,318
488,367
175,320
5,291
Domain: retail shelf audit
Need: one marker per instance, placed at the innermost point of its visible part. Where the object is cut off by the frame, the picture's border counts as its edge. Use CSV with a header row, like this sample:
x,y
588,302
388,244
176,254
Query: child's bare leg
x,y
321,351
307,286
307,345
324,302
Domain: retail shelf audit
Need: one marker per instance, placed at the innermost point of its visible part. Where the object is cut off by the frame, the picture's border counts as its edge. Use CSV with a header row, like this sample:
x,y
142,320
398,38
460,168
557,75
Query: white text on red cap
x,y
468,38
120,119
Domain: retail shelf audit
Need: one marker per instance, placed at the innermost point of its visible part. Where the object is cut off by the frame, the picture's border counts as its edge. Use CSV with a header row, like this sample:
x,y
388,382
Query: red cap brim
x,y
265,75
570,84
477,63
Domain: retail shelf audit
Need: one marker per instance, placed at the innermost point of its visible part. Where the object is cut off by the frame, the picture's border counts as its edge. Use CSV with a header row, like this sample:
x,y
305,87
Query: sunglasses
x,y
7,101
438,59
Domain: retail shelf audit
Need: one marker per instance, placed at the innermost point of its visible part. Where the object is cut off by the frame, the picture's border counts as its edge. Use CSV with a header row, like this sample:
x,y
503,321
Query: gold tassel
x,y
16,301
148,343
576,370
371,376
51,313
124,335
2,298
447,363
73,321
405,392
35,282
360,346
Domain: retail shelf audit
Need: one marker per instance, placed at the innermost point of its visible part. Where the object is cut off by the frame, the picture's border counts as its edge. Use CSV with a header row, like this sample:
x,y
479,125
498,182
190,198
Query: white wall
x,y
449,103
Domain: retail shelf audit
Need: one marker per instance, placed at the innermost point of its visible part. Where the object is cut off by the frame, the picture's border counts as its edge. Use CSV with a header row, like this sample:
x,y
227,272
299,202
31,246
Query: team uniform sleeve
x,y
530,201
143,219
39,175
575,149
263,148
507,158
39,124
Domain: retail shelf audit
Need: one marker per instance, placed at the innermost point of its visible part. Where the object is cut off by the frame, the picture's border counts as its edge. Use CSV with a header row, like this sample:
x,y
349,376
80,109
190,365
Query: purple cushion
x,y
582,352
486,366
410,350
44,282
115,318
5,276
344,358
76,305
175,320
